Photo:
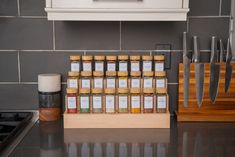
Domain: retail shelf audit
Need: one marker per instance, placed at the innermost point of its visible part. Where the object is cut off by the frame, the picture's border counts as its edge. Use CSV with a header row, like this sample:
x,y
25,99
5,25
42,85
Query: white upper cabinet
x,y
117,10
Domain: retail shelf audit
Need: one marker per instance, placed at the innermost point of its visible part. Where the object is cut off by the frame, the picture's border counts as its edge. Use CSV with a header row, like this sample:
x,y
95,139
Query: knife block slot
x,y
224,108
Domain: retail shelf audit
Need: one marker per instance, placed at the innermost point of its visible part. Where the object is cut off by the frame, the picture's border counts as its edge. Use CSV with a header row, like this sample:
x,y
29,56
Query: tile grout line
x,y
220,7
120,35
18,7
19,67
53,34
204,17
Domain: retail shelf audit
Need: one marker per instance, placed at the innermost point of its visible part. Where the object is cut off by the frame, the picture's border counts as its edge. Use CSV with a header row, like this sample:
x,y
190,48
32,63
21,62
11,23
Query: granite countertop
x,y
49,139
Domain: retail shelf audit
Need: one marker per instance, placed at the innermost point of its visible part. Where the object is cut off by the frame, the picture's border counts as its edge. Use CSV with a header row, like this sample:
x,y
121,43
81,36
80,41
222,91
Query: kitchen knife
x,y
186,63
199,72
221,51
214,70
228,72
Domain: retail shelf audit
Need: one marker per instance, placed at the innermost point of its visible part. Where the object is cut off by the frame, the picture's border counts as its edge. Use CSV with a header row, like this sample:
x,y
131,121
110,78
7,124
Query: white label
x,y
111,83
160,83
159,67
148,83
86,83
135,66
111,67
75,67
123,101
97,101
148,102
87,67
110,101
123,66
73,83
135,101
72,102
161,101
147,66
122,83
84,102
98,83
135,83
99,66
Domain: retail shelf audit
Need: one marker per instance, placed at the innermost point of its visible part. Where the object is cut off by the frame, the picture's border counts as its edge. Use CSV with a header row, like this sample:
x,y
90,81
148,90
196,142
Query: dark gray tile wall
x,y
30,44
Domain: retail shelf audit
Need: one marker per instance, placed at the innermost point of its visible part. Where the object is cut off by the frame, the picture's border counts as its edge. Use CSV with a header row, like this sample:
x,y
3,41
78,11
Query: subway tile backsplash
x,y
30,44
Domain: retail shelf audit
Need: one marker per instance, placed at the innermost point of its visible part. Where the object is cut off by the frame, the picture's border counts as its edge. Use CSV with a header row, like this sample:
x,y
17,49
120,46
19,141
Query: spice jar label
x,y
135,83
97,101
160,83
111,67
99,66
123,66
147,66
159,67
135,101
75,67
84,102
98,83
135,66
73,83
87,67
123,101
110,101
122,83
72,102
148,83
86,83
161,101
111,83
148,102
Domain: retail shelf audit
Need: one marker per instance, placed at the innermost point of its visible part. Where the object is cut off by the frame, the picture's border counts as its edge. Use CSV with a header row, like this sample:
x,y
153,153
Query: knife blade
x,y
228,72
214,70
199,72
186,63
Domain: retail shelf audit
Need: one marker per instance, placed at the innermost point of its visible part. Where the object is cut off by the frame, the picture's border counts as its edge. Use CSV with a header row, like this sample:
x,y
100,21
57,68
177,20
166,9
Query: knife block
x,y
224,108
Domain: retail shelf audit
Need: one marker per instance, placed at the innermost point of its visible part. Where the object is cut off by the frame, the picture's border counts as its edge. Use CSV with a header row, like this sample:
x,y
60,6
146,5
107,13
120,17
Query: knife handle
x,y
185,45
221,52
229,52
214,50
196,50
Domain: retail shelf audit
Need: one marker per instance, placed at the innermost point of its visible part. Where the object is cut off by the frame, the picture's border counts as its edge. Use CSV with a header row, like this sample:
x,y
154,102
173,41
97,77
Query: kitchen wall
x,y
30,45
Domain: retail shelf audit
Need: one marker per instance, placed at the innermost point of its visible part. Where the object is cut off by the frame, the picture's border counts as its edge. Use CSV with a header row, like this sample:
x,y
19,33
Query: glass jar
x,y
87,63
161,80
85,81
135,100
123,63
98,80
71,102
72,81
159,63
135,63
135,80
97,100
123,100
99,63
148,80
161,100
111,63
123,80
147,63
110,100
110,80
84,101
148,97
75,63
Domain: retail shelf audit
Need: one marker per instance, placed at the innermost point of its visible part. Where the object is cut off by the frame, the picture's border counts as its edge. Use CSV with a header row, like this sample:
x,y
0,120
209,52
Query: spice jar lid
x,y
122,57
160,74
110,91
135,58
122,73
136,73
148,73
86,73
161,90
71,90
111,58
148,90
111,73
87,58
99,58
73,73
159,57
96,91
74,58
123,90
98,73
84,91
135,90
146,58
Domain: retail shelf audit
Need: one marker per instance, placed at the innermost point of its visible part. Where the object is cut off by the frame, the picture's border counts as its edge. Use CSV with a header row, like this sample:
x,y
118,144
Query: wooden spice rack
x,y
224,108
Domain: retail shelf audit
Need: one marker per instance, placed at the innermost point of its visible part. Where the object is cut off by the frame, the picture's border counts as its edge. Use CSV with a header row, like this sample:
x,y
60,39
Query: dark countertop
x,y
183,140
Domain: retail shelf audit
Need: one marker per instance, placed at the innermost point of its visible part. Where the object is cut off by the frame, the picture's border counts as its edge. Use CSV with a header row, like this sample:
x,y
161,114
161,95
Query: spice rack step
x,y
152,120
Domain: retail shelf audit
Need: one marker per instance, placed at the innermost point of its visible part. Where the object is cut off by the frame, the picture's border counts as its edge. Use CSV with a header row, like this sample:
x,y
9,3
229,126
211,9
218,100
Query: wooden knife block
x,y
224,108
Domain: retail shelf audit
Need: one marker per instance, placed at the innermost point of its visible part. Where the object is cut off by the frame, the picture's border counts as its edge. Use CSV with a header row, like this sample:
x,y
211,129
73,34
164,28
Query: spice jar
x,y
110,101
161,80
123,100
84,101
135,80
85,81
161,100
71,102
135,100
72,81
122,79
123,63
159,63
135,63
148,97
75,63
147,63
111,63
99,63
148,80
98,80
87,63
97,100
110,80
